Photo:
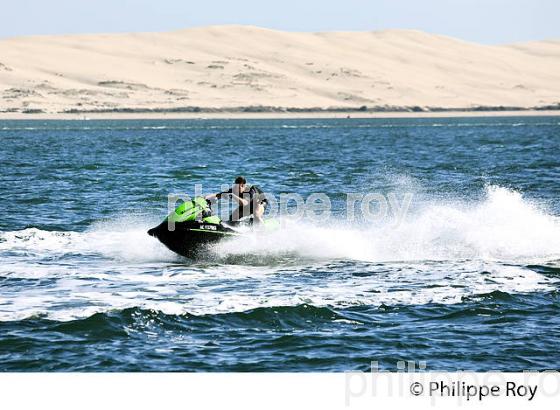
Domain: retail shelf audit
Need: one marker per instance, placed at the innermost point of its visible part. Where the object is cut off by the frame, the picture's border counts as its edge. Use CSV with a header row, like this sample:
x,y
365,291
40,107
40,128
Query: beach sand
x,y
244,71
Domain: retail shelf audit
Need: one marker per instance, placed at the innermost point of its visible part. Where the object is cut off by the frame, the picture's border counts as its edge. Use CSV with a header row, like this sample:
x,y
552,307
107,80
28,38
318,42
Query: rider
x,y
251,200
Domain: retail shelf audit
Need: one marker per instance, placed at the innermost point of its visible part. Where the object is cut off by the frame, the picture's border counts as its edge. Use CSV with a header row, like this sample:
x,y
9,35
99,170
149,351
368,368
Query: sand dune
x,y
226,67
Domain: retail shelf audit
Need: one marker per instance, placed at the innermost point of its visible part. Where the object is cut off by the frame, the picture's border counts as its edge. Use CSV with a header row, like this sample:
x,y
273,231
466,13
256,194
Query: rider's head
x,y
239,185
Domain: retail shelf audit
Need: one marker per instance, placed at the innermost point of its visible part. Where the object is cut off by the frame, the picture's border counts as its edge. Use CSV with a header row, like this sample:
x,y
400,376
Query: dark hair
x,y
240,180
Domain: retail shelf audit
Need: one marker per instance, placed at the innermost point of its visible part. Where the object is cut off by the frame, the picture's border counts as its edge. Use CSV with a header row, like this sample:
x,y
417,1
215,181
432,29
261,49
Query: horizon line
x,y
372,31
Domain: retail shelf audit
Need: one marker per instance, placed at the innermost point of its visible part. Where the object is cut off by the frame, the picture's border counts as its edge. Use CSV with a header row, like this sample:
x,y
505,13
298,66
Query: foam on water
x,y
441,252
123,239
503,226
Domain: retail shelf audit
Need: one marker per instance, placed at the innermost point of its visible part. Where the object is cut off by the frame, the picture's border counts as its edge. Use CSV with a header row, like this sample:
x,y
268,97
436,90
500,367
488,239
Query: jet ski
x,y
192,228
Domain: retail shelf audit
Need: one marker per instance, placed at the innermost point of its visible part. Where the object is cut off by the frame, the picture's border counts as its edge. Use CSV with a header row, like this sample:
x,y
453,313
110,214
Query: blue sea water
x,y
467,279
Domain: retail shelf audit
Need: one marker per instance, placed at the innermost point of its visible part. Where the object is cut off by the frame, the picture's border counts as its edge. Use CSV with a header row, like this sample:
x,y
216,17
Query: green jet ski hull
x,y
192,229
191,239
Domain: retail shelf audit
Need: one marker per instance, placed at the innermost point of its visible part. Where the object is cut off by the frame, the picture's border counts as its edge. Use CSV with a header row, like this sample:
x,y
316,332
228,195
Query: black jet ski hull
x,y
191,238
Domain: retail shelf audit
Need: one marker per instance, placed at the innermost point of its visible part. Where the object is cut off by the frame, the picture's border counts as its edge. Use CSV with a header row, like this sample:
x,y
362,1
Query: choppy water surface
x,y
468,280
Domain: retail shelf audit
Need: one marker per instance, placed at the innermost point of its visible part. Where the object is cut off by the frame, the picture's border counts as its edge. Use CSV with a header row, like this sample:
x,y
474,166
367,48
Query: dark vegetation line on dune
x,y
278,109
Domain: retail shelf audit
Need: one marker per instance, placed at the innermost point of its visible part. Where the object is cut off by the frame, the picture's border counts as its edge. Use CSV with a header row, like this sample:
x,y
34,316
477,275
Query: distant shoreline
x,y
129,114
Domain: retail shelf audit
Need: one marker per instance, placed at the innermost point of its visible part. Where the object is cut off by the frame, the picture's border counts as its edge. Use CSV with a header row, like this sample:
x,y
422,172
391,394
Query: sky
x,y
483,21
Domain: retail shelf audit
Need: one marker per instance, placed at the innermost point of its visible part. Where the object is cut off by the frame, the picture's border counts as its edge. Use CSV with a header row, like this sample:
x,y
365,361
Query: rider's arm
x,y
212,197
240,201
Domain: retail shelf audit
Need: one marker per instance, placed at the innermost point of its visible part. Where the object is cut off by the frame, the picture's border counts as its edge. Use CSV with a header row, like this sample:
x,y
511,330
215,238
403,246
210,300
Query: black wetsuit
x,y
254,195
